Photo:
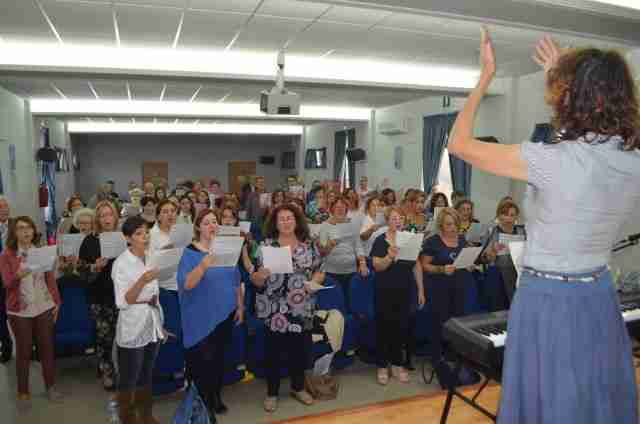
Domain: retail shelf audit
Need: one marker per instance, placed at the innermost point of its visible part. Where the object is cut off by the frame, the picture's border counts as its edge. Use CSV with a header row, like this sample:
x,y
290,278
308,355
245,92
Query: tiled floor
x,y
86,402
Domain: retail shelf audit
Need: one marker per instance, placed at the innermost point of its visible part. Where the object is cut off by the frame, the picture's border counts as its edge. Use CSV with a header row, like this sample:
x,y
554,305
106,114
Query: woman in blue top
x,y
444,284
568,355
211,300
285,304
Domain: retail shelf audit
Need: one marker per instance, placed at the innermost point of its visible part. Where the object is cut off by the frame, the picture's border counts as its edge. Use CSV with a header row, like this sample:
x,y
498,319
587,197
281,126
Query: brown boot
x,y
126,408
144,404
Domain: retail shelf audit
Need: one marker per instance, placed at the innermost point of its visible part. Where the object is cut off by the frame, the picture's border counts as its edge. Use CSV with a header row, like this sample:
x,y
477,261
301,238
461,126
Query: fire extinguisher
x,y
43,195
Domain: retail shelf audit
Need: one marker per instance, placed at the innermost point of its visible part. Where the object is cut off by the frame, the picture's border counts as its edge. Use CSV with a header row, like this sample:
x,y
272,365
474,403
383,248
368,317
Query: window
x,y
344,173
288,160
443,183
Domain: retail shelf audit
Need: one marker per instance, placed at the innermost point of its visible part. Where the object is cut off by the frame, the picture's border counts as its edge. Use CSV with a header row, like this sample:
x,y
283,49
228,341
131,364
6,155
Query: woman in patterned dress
x,y
285,304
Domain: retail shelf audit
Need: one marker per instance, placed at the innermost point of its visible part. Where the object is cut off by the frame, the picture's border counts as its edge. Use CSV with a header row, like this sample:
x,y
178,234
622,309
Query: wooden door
x,y
238,173
156,172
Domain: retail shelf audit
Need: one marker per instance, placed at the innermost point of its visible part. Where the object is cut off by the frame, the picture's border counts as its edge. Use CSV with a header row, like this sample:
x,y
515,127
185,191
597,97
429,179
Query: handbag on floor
x,y
192,409
322,387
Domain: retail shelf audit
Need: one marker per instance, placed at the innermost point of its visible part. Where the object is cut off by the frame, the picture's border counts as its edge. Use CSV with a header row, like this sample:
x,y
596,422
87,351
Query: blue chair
x,y
362,294
75,330
168,373
235,355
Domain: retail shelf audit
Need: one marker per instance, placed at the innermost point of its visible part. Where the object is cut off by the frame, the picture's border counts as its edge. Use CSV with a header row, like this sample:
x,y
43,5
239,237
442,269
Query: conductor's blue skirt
x,y
568,355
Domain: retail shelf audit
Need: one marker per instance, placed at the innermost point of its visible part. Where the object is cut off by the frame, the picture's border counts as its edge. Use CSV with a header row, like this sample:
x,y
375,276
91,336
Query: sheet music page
x,y
165,262
467,257
517,252
265,200
112,244
41,259
70,244
226,250
181,235
245,226
228,230
505,240
277,259
409,245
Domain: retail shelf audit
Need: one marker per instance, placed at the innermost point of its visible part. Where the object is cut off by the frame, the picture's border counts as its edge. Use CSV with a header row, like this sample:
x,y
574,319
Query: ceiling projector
x,y
279,100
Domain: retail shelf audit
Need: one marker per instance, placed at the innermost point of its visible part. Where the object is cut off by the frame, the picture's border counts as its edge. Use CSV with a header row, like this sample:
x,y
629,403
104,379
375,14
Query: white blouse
x,y
158,240
138,324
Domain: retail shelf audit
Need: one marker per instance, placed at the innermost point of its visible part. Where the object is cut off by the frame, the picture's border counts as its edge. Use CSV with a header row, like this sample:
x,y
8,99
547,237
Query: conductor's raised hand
x,y
547,53
487,55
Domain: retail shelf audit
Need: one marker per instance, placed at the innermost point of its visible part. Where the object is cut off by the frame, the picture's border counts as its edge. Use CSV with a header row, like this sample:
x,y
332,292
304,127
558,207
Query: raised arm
x,y
499,159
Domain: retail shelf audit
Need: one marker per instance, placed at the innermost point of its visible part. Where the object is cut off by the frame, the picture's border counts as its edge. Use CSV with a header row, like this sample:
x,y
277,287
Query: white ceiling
x,y
311,28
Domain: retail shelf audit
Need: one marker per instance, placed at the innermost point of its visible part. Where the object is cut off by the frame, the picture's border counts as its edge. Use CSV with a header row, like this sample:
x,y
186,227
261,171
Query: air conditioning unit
x,y
395,127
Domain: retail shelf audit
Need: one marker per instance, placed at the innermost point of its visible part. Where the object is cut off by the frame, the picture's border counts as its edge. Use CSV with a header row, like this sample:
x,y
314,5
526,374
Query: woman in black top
x,y
392,292
100,290
444,284
501,275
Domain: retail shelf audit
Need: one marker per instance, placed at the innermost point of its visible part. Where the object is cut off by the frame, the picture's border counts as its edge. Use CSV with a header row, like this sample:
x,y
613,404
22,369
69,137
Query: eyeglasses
x,y
287,219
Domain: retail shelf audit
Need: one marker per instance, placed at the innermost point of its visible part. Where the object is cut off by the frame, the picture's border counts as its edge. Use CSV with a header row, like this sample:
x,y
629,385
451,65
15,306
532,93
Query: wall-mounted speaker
x,y
356,155
267,160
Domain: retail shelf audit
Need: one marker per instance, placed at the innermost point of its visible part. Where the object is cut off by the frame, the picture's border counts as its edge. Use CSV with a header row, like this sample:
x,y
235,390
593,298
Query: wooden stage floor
x,y
422,409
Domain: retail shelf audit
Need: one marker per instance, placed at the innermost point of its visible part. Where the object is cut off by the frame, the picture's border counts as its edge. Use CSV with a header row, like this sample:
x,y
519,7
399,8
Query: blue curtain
x,y
460,175
434,139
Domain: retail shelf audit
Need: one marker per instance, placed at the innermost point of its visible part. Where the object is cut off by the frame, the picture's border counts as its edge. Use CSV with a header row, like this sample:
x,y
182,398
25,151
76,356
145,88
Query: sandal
x,y
383,376
303,397
270,403
400,373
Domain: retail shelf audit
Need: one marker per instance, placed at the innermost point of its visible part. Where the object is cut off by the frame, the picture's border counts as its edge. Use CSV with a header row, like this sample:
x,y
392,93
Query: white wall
x,y
486,189
119,157
17,129
323,135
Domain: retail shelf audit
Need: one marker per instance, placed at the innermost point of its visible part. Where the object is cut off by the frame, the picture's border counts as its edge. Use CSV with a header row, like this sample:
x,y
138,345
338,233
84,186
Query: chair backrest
x,y
332,298
74,311
362,295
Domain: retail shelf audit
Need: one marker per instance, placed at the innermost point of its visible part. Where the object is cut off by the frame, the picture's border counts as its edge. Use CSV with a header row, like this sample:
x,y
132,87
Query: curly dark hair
x,y
271,226
592,90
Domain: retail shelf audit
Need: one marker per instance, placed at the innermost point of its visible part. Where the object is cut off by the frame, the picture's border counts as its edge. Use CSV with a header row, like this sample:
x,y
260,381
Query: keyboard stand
x,y
453,391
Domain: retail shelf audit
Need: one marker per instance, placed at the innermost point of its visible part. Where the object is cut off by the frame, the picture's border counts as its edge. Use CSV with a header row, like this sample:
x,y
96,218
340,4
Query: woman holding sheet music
x,y
444,284
285,304
100,293
159,236
343,253
568,356
140,324
33,301
501,275
392,280
211,300
372,222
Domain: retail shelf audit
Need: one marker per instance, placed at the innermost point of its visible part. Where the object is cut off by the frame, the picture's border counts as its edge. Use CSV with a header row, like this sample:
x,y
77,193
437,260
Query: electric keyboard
x,y
480,339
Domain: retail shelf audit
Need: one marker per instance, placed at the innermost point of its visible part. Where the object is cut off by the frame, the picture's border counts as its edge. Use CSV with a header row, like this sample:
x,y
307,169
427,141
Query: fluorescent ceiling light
x,y
630,4
231,64
156,128
189,109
